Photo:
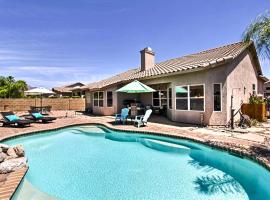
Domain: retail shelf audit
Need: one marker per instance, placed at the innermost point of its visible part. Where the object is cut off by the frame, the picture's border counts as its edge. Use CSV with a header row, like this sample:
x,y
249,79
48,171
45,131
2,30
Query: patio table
x,y
42,109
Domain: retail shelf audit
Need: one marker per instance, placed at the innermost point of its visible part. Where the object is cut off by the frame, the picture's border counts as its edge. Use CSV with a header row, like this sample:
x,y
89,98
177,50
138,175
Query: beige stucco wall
x,y
261,86
105,110
242,74
266,92
88,100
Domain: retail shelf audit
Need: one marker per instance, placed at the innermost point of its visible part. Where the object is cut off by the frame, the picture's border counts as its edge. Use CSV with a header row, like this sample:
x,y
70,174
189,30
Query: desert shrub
x,y
254,99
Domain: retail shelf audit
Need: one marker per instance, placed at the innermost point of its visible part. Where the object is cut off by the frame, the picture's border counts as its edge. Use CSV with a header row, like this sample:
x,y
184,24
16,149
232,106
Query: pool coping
x,y
12,183
235,150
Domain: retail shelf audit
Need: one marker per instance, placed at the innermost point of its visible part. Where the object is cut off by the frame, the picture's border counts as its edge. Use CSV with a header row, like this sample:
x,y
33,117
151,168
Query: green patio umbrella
x,y
181,90
136,87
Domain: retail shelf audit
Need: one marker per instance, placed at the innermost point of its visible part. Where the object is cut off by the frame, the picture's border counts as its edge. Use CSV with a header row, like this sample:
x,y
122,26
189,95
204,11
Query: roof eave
x,y
219,62
264,78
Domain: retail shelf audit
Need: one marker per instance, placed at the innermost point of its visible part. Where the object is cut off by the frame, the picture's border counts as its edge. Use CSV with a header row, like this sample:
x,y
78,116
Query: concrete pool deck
x,y
253,143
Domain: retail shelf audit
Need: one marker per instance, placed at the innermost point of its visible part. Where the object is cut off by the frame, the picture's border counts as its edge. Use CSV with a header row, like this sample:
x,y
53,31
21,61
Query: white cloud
x,y
47,76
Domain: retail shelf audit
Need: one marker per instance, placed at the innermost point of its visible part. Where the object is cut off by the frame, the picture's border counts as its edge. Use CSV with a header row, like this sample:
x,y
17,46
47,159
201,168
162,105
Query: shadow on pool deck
x,y
155,119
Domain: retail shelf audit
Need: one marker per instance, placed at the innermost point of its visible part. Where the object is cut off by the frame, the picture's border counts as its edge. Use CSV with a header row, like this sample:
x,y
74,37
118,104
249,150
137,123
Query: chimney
x,y
147,58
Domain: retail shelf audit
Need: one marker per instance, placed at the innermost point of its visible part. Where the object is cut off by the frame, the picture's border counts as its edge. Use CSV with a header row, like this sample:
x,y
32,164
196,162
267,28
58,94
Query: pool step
x,y
120,137
27,191
165,146
91,131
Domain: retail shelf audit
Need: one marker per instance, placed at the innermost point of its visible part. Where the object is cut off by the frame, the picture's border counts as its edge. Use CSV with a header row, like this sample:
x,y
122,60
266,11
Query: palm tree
x,y
10,88
259,32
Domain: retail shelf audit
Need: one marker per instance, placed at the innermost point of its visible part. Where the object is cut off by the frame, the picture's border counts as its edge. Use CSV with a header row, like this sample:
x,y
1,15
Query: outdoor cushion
x,y
12,118
37,115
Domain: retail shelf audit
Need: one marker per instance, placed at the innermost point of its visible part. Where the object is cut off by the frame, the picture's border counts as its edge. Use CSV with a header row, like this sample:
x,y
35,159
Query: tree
x,y
10,88
259,32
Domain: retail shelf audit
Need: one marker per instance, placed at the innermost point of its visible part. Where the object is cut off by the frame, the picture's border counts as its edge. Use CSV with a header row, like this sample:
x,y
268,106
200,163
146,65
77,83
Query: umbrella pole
x,y
41,103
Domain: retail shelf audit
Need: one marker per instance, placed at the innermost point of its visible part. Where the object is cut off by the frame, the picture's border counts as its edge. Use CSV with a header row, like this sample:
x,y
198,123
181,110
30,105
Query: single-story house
x,y
69,90
193,89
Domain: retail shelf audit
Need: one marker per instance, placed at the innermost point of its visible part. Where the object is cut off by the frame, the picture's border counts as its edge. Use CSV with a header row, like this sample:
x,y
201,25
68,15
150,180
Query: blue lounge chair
x,y
142,119
9,118
123,116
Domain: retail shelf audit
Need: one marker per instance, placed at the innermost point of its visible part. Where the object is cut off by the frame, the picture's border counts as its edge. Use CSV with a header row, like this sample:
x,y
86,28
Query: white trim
x,y
221,94
203,97
168,98
181,97
159,98
98,99
188,97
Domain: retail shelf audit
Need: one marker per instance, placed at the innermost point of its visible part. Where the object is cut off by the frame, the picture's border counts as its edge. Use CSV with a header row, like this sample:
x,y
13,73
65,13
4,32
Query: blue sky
x,y
50,43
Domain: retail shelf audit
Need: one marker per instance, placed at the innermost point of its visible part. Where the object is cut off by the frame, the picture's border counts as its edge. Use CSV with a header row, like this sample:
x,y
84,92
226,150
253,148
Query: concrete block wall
x,y
57,104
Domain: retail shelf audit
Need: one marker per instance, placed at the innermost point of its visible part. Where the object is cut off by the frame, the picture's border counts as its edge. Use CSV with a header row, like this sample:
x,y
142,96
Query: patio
x,y
253,142
239,139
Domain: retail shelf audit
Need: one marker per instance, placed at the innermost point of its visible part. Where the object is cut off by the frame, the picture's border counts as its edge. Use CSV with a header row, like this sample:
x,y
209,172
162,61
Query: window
x,y
217,97
181,93
109,98
267,88
254,91
98,99
170,98
190,97
159,98
196,97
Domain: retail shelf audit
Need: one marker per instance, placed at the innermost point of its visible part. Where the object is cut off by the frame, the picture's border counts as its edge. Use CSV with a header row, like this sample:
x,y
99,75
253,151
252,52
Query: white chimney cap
x,y
148,48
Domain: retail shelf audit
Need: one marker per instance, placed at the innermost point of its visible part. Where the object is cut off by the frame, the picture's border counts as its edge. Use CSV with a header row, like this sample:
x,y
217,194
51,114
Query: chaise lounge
x,y
9,118
38,117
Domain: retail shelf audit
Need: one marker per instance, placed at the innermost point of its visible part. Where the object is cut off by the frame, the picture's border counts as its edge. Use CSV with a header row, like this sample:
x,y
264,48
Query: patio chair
x,y
141,120
9,118
37,116
123,116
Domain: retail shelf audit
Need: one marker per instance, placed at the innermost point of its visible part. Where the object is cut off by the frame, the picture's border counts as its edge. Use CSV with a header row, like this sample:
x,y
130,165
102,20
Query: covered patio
x,y
157,100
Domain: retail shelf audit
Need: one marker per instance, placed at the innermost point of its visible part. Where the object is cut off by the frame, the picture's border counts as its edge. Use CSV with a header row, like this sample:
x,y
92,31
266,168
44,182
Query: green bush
x,y
254,99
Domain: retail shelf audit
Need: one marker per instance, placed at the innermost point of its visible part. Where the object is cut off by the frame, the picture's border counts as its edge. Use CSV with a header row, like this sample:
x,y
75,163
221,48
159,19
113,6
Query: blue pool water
x,y
89,162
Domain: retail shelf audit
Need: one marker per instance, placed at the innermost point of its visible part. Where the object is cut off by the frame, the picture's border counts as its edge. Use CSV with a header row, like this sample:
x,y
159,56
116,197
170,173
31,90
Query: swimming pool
x,y
92,162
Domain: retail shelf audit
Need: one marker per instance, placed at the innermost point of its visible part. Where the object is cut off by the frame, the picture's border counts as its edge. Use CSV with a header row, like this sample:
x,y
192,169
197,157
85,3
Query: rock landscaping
x,y
11,158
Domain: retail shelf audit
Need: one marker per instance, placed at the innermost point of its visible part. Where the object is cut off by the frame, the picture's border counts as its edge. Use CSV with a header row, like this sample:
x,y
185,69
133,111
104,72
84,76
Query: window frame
x,y
98,99
107,98
170,99
160,98
188,97
182,97
221,93
254,91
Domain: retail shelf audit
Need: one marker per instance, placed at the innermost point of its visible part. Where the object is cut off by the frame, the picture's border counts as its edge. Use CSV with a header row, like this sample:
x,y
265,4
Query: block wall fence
x,y
57,104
